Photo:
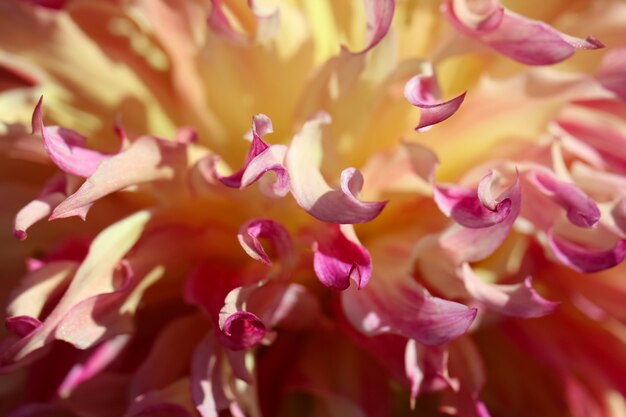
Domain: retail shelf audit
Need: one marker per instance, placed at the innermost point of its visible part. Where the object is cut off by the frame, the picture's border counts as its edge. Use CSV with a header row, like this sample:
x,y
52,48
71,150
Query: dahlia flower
x,y
313,207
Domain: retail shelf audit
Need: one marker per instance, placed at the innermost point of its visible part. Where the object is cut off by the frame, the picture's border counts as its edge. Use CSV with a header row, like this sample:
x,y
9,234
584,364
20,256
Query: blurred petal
x,y
311,190
267,23
612,73
379,15
586,259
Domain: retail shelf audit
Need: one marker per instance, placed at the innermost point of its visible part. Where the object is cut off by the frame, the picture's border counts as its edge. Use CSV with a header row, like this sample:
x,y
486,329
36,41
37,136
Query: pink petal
x,y
260,159
100,359
585,259
21,326
518,300
147,160
311,190
422,91
267,23
468,245
207,391
66,147
408,310
161,410
612,73
581,210
243,330
379,16
49,4
185,135
339,257
470,208
277,236
525,40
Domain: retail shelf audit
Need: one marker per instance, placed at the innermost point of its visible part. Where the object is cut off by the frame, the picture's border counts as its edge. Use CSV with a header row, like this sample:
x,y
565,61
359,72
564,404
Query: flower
x,y
365,208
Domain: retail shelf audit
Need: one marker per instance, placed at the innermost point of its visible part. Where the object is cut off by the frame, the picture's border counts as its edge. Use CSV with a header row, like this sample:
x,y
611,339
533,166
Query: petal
x,y
103,355
49,4
267,23
148,159
379,16
311,190
395,303
422,91
585,259
277,236
339,257
243,330
206,385
468,245
581,210
66,147
21,326
518,300
36,210
471,208
612,73
94,278
525,40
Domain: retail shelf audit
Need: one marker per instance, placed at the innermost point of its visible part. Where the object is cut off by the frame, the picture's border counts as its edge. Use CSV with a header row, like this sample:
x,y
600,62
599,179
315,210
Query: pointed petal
x,y
148,159
518,300
585,259
311,190
21,326
581,210
379,16
525,40
422,92
339,257
66,147
612,73
267,23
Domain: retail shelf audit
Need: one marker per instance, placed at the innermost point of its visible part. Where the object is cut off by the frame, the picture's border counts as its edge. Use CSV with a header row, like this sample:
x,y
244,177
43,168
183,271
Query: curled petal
x,y
518,300
148,159
585,259
36,210
311,190
482,15
21,326
525,40
270,159
340,257
422,91
267,23
243,330
379,16
468,245
274,232
581,210
470,208
612,74
66,147
260,159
